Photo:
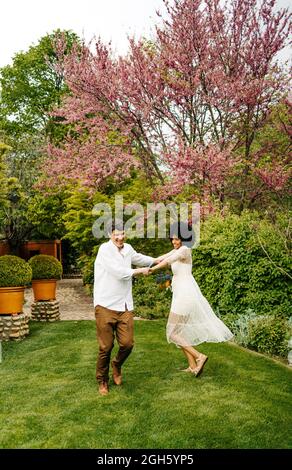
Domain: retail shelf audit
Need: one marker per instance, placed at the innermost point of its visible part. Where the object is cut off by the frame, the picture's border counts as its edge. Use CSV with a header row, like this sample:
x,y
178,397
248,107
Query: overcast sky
x,y
24,22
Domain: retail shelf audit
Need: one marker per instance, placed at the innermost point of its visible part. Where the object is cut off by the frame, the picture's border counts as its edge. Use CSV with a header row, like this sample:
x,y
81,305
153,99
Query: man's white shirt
x,y
113,275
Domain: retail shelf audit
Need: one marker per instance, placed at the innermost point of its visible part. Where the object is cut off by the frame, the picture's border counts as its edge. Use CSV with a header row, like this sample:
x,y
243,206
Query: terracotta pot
x,y
44,289
11,300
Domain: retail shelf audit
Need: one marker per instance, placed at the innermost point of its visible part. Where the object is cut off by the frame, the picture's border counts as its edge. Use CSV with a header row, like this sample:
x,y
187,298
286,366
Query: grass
x,y
49,396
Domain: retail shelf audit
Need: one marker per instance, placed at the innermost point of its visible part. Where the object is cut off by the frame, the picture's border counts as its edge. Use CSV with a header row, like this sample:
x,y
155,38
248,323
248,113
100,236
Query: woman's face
x,y
176,242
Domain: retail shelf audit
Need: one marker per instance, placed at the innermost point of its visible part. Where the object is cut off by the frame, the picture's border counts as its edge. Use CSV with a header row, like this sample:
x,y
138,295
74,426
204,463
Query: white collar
x,y
122,250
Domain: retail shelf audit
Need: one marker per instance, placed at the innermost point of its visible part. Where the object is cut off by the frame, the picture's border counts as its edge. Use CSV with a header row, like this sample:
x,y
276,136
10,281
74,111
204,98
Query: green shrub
x,y
239,325
149,300
86,264
269,334
151,246
242,263
45,267
14,271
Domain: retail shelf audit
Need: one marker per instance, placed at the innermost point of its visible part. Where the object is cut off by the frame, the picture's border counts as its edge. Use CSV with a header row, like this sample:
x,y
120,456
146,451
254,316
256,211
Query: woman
x,y
191,320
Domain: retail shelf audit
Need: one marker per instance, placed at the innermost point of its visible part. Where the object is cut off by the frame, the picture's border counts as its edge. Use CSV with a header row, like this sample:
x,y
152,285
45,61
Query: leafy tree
x,y
15,224
32,85
45,212
3,185
272,152
78,218
3,176
25,158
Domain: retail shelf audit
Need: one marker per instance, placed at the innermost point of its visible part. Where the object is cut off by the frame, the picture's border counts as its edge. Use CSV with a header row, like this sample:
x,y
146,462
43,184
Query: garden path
x,y
75,303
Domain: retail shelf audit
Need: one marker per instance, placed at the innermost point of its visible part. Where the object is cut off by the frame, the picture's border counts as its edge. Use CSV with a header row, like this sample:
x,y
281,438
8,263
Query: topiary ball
x,y
14,271
45,267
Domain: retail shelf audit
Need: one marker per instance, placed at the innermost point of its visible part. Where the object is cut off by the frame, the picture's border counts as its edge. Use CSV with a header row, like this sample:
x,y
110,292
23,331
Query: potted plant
x,y
15,274
46,270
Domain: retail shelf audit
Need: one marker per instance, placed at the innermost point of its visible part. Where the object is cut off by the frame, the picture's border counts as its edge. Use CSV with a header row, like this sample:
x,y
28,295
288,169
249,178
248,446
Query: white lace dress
x,y
191,320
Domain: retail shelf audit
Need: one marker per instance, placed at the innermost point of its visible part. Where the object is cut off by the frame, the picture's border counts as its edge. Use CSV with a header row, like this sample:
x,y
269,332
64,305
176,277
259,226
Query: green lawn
x,y
49,396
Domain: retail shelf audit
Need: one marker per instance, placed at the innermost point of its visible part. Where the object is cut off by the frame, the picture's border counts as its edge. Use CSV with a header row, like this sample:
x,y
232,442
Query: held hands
x,y
148,271
144,271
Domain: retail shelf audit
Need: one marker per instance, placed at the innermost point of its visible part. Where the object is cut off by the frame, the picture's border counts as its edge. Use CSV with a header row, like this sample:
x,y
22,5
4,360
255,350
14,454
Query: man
x,y
113,303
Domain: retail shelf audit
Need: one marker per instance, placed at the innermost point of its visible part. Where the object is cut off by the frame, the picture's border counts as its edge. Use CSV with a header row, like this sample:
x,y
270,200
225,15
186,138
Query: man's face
x,y
118,238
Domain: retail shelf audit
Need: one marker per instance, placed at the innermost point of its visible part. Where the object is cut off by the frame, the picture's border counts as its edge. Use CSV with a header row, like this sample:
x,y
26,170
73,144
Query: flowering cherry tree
x,y
183,108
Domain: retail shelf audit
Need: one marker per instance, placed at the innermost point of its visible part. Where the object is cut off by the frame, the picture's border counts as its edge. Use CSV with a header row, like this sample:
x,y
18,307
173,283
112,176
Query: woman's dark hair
x,y
184,231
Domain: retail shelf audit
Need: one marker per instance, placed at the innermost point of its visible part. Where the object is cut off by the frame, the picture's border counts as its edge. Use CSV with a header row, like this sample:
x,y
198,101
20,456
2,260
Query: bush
x,y
86,264
149,300
239,325
45,267
242,263
14,271
269,335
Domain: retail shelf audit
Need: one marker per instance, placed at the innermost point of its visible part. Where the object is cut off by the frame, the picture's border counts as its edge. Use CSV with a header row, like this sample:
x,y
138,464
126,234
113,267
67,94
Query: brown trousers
x,y
111,323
